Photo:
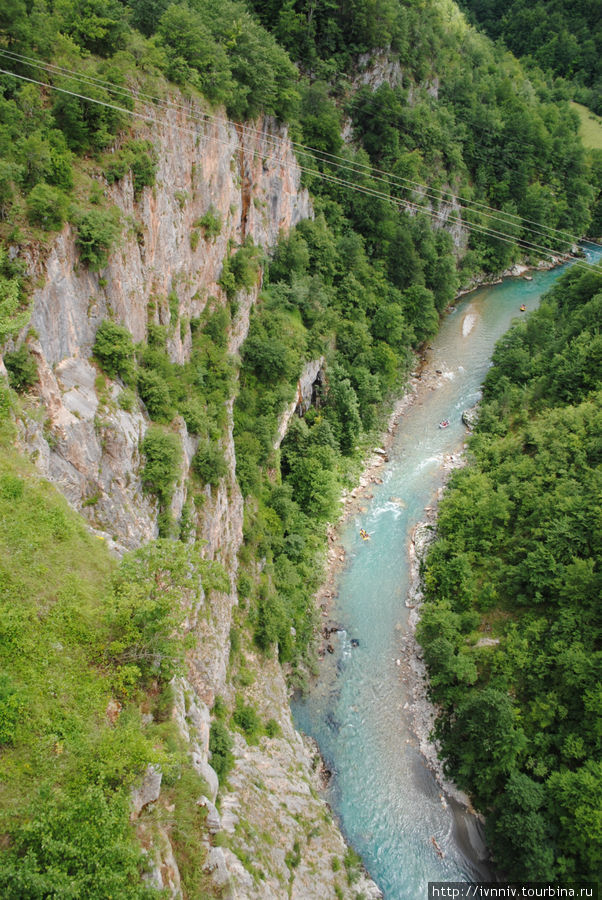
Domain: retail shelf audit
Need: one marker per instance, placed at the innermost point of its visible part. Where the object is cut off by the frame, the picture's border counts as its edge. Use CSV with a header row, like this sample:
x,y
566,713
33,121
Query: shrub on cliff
x,y
140,158
154,392
211,223
97,231
163,454
220,747
46,206
114,350
22,369
246,717
240,270
195,416
210,464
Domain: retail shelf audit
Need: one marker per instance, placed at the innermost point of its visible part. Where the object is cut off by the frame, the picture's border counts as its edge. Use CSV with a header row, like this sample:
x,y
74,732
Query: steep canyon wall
x,y
89,447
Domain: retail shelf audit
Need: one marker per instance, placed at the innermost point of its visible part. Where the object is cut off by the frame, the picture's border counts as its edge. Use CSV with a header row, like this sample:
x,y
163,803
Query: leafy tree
x,y
76,846
146,14
389,325
271,622
153,591
577,796
320,118
12,314
96,25
163,455
559,37
486,729
193,53
314,486
97,231
347,424
209,463
91,124
22,368
35,153
521,834
154,391
405,266
46,206
114,350
10,175
268,353
419,308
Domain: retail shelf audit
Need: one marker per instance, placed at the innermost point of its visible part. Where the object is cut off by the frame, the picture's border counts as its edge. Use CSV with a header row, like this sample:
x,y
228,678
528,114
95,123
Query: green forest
x,y
486,132
511,624
362,284
562,39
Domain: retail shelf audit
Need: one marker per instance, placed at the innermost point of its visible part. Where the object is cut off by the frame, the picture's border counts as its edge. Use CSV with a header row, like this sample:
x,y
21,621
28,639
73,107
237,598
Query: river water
x,y
388,802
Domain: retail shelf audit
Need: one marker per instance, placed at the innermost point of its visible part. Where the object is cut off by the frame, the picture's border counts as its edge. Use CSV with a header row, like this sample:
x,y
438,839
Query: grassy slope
x,y
72,740
590,127
52,577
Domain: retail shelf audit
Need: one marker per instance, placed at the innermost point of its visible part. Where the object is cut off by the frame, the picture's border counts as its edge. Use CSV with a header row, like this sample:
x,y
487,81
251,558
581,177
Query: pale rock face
x,y
305,388
93,455
250,178
213,821
470,417
149,790
164,873
378,68
216,864
193,720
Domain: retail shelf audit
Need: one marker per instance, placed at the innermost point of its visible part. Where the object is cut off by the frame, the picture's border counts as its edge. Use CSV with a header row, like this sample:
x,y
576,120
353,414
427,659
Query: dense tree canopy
x,y
517,562
561,37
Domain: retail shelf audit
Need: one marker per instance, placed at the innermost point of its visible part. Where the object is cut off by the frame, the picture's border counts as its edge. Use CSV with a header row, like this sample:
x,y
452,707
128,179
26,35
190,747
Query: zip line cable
x,y
473,227
390,180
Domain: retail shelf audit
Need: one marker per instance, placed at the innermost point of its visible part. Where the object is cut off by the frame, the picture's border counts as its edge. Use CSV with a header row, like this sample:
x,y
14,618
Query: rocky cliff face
x,y
274,808
87,442
87,445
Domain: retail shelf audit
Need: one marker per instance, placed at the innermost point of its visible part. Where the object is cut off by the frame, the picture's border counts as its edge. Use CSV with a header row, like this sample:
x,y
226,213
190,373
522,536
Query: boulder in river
x,y
470,417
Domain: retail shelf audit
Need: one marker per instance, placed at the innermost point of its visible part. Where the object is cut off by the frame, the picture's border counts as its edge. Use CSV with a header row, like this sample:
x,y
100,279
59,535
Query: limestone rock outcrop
x,y
250,179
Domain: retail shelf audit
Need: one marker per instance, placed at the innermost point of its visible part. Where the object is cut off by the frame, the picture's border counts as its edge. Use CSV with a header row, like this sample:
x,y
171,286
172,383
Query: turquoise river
x,y
388,802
